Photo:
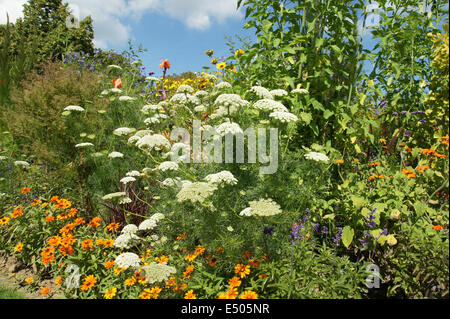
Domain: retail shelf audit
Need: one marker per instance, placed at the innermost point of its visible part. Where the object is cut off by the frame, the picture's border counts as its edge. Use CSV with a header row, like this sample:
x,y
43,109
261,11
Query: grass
x,y
10,293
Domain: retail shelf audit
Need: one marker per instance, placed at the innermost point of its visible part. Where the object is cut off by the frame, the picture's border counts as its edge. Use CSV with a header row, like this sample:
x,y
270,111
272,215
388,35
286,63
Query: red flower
x,y
437,227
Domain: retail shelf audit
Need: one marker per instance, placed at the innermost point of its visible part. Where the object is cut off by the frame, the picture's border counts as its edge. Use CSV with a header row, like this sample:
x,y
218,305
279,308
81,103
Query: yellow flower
x,y
221,65
18,247
58,281
130,281
209,52
242,270
110,293
89,282
238,52
45,291
248,294
29,280
190,295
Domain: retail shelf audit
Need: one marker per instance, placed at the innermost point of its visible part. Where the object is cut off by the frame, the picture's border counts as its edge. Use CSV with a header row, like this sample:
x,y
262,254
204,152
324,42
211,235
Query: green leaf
x,y
347,236
327,114
306,117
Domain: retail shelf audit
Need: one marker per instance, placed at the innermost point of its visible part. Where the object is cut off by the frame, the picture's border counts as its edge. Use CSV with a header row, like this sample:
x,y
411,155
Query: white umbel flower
x,y
261,92
196,192
168,166
115,155
157,272
229,128
155,141
230,100
185,89
270,105
223,177
125,241
85,144
150,108
127,260
223,85
278,92
123,131
284,117
114,195
152,79
74,108
21,163
300,91
130,229
133,173
127,179
246,212
115,90
318,157
125,98
171,181
114,67
201,93
264,208
148,224
200,108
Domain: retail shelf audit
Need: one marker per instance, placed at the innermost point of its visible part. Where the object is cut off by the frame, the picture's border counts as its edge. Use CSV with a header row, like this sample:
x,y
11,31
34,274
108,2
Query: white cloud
x,y
110,16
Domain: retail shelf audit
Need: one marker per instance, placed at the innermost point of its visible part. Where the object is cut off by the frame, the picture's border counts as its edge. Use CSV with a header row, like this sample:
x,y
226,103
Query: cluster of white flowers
x,y
127,179
125,98
85,144
228,104
278,92
262,208
316,156
183,98
201,94
133,173
270,105
223,177
123,131
125,241
152,120
129,229
223,85
200,108
152,79
157,272
114,66
155,141
168,166
141,133
261,92
125,200
151,222
74,108
171,181
284,117
196,192
115,155
127,260
22,163
300,91
184,88
151,108
114,195
229,128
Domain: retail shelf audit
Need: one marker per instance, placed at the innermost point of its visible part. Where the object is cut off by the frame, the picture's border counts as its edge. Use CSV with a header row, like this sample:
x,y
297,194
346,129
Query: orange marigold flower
x,y
412,175
49,219
45,291
246,255
254,262
171,282
110,293
437,227
17,212
234,282
248,294
112,226
188,272
165,64
54,199
213,262
130,281
162,259
36,202
340,161
382,140
62,204
190,295
375,164
219,250
87,244
231,293
29,280
66,249
109,264
95,222
407,171
242,270
181,236
89,282
59,281
25,190
79,221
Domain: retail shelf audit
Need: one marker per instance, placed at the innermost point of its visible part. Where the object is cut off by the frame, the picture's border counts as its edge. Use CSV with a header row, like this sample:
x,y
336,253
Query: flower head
x,y
165,64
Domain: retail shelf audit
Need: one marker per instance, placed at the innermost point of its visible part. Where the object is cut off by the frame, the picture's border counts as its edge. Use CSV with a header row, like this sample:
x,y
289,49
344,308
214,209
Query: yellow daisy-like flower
x,y
4,221
248,294
29,280
221,65
242,270
190,295
58,281
18,247
130,281
110,293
